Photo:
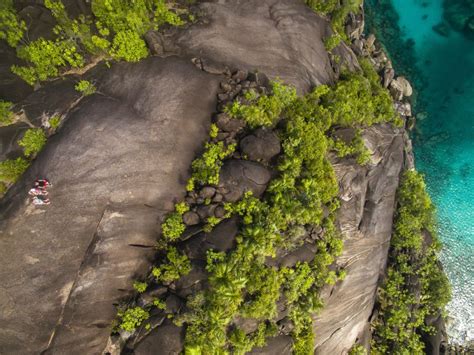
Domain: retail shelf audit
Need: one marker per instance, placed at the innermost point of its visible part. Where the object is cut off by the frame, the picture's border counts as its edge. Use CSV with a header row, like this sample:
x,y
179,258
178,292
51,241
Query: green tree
x,y
115,31
6,115
12,28
85,87
33,141
46,58
173,268
132,318
416,286
12,169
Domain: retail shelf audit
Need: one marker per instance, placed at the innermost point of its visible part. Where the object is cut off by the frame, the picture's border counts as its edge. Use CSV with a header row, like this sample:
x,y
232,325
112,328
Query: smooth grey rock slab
x,y
281,38
365,219
129,147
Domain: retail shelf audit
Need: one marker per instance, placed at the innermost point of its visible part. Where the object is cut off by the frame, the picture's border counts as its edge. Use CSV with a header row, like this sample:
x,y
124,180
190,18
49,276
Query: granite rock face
x,y
281,38
365,220
122,159
117,165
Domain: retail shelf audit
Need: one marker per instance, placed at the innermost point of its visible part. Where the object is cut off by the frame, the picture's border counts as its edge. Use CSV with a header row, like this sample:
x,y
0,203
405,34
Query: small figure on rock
x,y
42,183
40,200
39,192
36,191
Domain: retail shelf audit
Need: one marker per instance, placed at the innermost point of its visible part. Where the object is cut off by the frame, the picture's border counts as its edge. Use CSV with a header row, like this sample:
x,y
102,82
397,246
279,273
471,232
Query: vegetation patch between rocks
x,y
115,30
248,292
338,12
415,287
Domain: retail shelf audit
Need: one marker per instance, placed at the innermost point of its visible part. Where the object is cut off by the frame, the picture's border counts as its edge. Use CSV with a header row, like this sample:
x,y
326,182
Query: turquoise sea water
x,y
444,145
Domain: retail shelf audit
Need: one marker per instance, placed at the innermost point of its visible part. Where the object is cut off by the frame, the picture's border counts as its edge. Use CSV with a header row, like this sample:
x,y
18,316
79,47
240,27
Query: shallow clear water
x,y
444,147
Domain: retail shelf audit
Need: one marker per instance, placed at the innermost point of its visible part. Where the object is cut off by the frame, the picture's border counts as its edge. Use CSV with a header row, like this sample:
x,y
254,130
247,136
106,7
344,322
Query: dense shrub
x,y
132,318
85,87
206,168
337,11
128,45
12,169
332,42
415,285
33,141
6,115
55,121
173,226
176,265
140,287
264,110
263,291
46,58
115,30
357,349
11,27
356,148
356,100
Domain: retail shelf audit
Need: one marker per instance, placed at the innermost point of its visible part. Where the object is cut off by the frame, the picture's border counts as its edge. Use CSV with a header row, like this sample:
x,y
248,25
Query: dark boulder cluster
x,y
247,169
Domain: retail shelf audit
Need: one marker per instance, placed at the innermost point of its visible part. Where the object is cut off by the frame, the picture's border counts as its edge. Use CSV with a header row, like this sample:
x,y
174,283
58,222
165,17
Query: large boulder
x,y
166,339
262,145
240,176
400,87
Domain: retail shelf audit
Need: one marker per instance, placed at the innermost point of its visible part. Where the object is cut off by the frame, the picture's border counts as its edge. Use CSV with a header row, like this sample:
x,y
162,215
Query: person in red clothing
x,y
42,184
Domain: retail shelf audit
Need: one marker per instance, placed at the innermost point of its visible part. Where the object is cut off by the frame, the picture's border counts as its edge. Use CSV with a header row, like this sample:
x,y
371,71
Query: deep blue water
x,y
444,145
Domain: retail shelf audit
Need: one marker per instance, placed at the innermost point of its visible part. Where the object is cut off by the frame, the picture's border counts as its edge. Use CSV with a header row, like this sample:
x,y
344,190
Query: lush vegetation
x,y
131,318
416,286
6,115
173,226
54,122
263,110
240,283
33,141
357,349
140,287
11,27
175,266
11,169
356,148
206,168
337,11
85,87
115,31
